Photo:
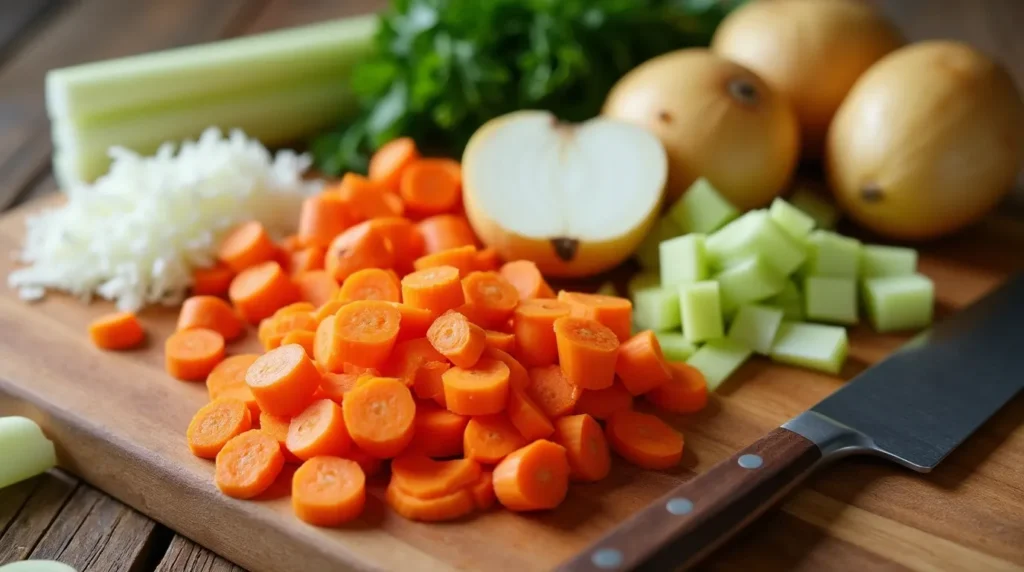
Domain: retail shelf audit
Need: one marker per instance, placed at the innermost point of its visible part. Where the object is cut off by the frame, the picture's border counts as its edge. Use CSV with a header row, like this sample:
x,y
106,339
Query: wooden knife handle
x,y
689,522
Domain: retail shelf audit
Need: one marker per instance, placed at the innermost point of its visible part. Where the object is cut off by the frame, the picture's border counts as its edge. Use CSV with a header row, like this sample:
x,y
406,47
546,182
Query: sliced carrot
x,y
328,491
323,217
527,416
483,491
212,313
444,232
290,244
461,257
552,392
519,378
435,289
389,162
190,355
602,403
316,287
273,330
490,438
306,260
371,284
369,464
228,373
415,321
429,382
487,260
118,331
500,340
248,464
408,357
394,204
380,416
283,380
282,485
259,291
585,446
640,364
425,478
535,477
491,295
336,385
431,186
277,427
212,281
480,390
303,338
644,440
685,392
365,199
359,247
587,350
360,370
527,279
439,432
303,307
215,424
405,239
533,324
318,430
449,507
327,309
245,246
327,350
457,339
366,331
612,311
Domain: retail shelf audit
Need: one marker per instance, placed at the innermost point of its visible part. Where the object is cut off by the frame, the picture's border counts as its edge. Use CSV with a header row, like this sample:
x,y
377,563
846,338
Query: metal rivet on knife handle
x,y
607,558
750,461
679,506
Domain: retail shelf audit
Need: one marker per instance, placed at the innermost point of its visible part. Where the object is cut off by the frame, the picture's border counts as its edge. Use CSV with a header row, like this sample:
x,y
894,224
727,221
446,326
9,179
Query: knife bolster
x,y
833,439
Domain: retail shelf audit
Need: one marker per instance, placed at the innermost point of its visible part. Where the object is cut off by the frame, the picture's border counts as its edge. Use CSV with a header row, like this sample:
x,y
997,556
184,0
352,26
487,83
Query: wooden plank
x,y
38,510
183,554
17,18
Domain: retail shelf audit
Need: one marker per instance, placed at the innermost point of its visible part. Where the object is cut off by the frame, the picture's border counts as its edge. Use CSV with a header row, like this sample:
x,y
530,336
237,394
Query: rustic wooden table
x,y
56,516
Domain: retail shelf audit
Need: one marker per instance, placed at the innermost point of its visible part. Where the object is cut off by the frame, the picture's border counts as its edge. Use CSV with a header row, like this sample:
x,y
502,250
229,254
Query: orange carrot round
x,y
444,232
261,290
587,351
685,392
212,313
462,258
612,311
328,491
290,243
389,162
191,355
215,424
306,260
304,338
449,507
366,331
328,308
415,321
535,477
228,373
436,289
457,339
323,217
533,323
480,390
212,281
316,287
552,392
483,491
283,380
248,464
408,357
641,365
277,427
336,385
246,246
319,430
644,440
492,296
371,284
357,248
405,240
439,432
431,186
367,199
490,438
120,331
518,378
425,478
526,278
503,341
429,382
327,346
585,446
369,464
602,403
527,416
380,416
487,260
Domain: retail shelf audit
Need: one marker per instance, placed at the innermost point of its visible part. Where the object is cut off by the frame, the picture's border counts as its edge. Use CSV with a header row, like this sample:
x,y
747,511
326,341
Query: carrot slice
x,y
457,339
228,373
415,321
215,424
519,378
212,313
212,281
283,380
303,307
405,239
336,385
389,161
483,491
500,340
685,392
585,446
533,324
602,403
491,295
316,287
274,329
248,464
303,338
366,199
408,357
429,382
371,284
462,257
480,390
282,485
246,246
644,440
323,217
535,477
526,278
357,248
424,478
277,427
435,289
527,416
291,244
306,260
490,438
641,365
449,507
369,464
612,311
328,491
261,290
327,346
327,309
444,232
552,392
318,430
118,331
191,355
360,370
431,186
380,416
587,350
439,432
487,260
366,331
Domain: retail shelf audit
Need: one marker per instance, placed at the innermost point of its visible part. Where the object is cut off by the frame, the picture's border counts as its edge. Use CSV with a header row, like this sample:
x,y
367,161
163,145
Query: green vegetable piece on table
x,y
36,566
648,254
675,346
750,280
719,359
755,233
831,254
755,327
879,260
683,260
643,281
702,209
656,309
896,303
814,346
24,450
832,300
794,221
790,300
824,213
701,310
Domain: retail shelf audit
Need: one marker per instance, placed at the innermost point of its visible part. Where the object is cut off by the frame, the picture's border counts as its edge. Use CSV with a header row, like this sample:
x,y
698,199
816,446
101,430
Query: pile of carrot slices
x,y
390,338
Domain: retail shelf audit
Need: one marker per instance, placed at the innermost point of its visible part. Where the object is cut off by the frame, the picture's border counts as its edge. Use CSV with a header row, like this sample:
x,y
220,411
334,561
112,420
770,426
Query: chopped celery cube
x,y
675,346
755,234
718,359
789,300
648,252
831,254
828,299
750,280
642,281
791,219
897,303
608,289
683,260
701,310
656,309
813,346
879,260
823,212
702,209
755,326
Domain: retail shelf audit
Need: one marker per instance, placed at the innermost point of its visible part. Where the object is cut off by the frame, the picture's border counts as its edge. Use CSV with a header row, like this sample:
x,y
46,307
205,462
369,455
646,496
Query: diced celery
x,y
750,280
813,346
675,346
755,326
656,309
823,212
791,219
718,359
643,280
897,303
648,252
828,299
701,310
702,209
790,300
879,260
755,234
26,451
608,289
683,260
831,254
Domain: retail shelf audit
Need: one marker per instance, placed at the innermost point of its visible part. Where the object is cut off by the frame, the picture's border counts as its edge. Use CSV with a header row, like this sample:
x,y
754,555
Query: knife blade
x,y
913,408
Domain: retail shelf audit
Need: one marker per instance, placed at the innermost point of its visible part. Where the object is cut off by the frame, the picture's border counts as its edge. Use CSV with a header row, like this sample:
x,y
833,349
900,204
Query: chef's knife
x,y
912,408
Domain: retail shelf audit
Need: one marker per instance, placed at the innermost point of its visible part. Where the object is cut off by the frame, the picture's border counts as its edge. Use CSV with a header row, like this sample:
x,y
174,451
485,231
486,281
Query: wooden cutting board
x,y
119,423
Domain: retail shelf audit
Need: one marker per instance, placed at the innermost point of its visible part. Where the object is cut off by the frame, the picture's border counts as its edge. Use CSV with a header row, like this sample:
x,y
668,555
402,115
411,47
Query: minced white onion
x,y
135,235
